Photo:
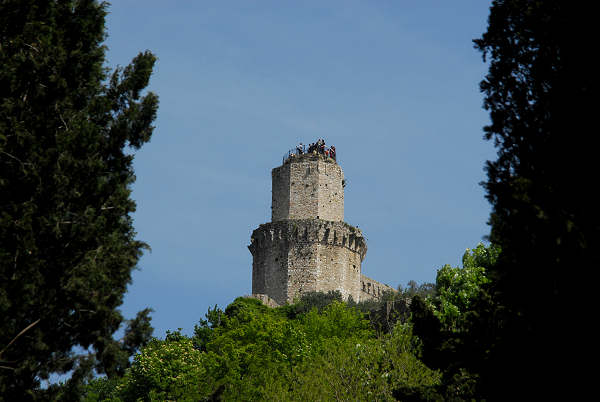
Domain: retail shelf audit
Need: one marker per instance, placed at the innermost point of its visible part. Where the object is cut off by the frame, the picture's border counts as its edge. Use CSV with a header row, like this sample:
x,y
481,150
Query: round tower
x,y
307,246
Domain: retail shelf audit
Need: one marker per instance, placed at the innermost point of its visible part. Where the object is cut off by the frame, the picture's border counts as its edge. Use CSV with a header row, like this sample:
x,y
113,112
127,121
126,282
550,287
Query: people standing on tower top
x,y
317,147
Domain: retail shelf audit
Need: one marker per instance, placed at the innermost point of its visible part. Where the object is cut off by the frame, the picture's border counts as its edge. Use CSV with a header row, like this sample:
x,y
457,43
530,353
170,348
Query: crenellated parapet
x,y
339,234
371,289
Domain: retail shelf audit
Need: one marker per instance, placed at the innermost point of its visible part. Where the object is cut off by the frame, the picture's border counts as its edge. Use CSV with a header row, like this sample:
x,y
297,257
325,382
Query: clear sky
x,y
394,85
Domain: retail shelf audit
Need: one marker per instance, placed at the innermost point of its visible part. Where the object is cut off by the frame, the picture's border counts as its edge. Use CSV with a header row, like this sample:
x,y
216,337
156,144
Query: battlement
x,y
371,289
319,231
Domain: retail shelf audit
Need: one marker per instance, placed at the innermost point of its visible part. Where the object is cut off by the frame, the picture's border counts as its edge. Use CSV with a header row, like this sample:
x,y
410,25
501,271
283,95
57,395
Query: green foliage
x,y
370,369
393,307
203,332
444,322
167,370
336,321
100,389
252,352
310,300
457,288
254,336
67,244
412,289
257,343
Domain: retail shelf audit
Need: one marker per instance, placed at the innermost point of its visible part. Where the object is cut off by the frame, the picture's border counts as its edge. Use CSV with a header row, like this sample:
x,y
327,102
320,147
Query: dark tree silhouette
x,y
67,244
540,91
524,334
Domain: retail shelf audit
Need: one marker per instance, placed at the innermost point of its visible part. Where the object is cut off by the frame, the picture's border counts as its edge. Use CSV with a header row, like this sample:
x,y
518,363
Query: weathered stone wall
x,y
371,289
280,193
339,269
269,266
331,191
296,256
308,186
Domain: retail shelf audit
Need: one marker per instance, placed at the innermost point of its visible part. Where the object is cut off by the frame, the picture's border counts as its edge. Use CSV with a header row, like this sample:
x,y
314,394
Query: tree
x,y
412,289
67,243
382,369
540,94
457,288
172,369
258,353
444,322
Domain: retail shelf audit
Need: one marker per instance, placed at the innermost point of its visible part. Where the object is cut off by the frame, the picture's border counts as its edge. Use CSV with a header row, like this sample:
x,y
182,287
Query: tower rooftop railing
x,y
327,151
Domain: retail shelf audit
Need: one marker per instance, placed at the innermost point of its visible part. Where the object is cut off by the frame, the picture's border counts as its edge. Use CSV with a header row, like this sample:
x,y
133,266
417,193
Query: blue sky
x,y
392,84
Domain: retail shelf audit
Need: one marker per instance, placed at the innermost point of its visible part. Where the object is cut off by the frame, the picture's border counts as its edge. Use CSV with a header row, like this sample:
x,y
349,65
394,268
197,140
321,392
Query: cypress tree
x,y
67,243
540,91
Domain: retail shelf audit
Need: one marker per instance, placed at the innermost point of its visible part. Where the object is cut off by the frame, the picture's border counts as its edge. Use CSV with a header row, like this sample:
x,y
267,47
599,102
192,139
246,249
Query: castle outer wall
x,y
371,289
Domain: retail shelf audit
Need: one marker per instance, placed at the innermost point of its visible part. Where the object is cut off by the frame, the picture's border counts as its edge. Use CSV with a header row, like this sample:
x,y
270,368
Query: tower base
x,y
292,257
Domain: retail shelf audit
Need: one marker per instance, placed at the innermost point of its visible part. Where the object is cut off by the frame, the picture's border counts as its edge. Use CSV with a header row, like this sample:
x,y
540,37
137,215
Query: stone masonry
x,y
308,246
308,186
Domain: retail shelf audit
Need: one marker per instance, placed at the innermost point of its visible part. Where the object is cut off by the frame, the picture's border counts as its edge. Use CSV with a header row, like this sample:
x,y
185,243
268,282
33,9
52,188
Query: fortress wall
x,y
339,269
269,265
302,268
296,256
371,289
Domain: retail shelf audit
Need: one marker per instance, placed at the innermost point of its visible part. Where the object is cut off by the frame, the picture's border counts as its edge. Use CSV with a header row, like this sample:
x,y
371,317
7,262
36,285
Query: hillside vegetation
x,y
319,348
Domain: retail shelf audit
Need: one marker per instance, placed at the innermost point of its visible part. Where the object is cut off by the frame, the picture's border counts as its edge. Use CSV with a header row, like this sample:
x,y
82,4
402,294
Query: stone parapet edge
x,y
339,234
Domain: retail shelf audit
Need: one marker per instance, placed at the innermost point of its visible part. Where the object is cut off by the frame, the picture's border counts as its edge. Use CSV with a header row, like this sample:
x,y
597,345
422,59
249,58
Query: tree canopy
x,y
252,352
67,243
457,288
540,94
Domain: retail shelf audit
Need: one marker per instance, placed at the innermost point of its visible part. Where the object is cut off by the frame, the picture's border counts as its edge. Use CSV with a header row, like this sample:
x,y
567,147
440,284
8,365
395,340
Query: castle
x,y
307,246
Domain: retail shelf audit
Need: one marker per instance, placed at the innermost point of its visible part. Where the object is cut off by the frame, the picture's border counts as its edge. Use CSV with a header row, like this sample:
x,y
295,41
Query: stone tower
x,y
307,246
